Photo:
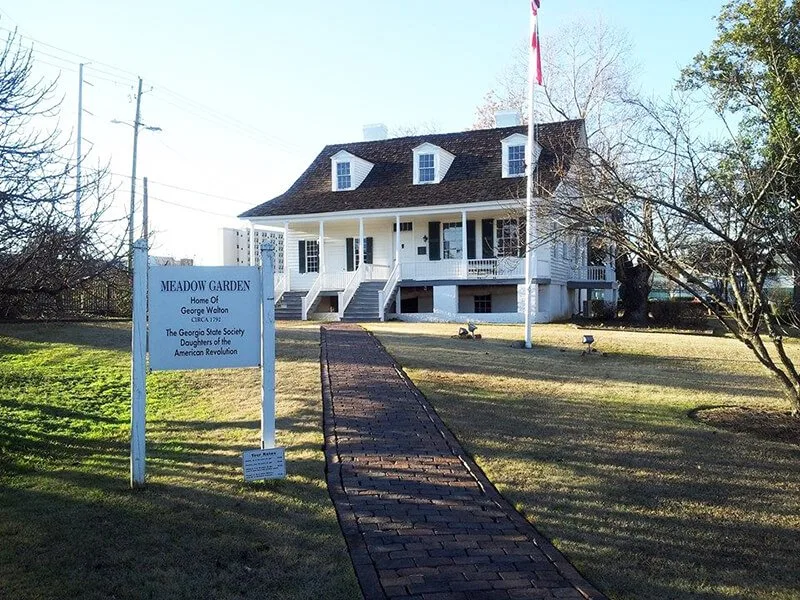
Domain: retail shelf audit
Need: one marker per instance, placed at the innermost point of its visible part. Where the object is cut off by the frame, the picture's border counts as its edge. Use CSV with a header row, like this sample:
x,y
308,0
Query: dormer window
x,y
431,163
348,171
426,168
343,179
515,157
516,160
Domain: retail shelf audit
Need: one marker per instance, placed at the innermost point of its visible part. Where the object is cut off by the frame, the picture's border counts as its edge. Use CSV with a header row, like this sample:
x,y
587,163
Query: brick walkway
x,y
420,518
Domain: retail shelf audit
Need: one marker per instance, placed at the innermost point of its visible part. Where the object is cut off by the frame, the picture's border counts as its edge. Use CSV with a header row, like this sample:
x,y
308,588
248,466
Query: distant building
x,y
169,261
236,246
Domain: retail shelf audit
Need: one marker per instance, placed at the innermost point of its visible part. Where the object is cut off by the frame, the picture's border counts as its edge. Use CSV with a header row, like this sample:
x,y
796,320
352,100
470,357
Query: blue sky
x,y
248,92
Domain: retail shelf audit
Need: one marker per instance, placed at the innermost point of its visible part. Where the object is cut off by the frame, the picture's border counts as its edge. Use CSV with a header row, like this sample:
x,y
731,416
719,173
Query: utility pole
x,y
133,173
80,156
144,212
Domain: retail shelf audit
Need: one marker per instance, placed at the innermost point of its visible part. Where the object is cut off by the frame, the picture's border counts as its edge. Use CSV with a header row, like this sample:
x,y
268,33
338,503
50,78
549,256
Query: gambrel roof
x,y
474,176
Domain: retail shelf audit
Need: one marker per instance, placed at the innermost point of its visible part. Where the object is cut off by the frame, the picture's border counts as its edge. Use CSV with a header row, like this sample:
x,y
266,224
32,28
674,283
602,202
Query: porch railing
x,y
376,272
311,297
483,268
280,286
350,289
591,273
385,295
492,268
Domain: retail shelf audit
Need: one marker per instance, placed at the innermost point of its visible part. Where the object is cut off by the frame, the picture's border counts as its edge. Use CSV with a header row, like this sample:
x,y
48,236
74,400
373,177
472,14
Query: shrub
x,y
679,313
603,310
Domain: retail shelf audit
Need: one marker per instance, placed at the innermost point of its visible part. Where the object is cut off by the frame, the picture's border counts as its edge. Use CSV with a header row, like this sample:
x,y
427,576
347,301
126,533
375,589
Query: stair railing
x,y
351,288
311,297
385,295
280,286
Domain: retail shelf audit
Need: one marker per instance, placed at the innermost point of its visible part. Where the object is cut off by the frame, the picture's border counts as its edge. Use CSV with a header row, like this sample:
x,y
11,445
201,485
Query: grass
x,y
71,528
601,455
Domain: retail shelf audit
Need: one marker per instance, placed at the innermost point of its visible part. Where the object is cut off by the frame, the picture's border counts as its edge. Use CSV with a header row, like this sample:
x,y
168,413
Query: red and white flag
x,y
536,50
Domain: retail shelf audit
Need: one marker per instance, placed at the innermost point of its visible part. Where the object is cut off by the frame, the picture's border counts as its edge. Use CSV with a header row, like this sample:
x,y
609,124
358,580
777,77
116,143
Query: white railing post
x,y
311,297
381,303
267,347
138,355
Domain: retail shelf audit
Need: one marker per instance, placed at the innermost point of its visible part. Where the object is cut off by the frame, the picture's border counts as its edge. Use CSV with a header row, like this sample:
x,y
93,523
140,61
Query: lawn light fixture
x,y
588,340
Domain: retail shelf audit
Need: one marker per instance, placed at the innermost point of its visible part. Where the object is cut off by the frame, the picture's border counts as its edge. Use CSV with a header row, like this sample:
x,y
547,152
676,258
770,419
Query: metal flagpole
x,y
530,222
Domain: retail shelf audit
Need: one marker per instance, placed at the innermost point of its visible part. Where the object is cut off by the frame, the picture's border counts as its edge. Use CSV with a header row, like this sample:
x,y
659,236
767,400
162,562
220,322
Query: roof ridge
x,y
446,133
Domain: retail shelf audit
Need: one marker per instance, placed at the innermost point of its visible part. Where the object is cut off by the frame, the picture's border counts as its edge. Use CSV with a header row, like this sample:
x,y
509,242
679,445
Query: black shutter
x,y
301,250
521,237
470,239
434,250
350,262
368,251
487,235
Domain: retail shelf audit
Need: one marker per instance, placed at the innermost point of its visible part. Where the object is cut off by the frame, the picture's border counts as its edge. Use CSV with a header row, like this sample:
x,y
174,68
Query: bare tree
x,y
41,250
424,128
710,216
588,73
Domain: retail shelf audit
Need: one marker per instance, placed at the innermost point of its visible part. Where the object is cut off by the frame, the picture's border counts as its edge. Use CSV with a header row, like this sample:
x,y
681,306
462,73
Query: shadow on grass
x,y
201,541
71,528
557,364
647,503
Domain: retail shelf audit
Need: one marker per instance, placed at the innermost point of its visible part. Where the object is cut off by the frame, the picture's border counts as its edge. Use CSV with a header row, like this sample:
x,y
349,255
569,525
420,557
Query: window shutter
x,y
487,235
301,250
350,260
521,236
368,251
434,233
471,239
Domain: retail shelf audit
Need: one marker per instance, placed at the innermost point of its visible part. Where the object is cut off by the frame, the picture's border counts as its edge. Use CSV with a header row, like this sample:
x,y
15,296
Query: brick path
x,y
420,518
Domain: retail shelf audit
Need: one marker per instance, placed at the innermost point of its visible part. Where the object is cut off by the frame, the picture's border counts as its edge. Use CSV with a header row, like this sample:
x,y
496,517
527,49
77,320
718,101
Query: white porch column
x,y
321,247
397,239
464,253
361,240
286,255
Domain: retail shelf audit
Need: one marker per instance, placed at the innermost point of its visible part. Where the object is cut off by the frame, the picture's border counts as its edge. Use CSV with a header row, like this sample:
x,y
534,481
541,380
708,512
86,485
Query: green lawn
x,y
600,454
70,527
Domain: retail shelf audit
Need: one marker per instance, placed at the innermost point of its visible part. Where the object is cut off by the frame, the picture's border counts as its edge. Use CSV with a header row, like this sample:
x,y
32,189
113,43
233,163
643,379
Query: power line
x,y
75,54
184,189
211,114
193,208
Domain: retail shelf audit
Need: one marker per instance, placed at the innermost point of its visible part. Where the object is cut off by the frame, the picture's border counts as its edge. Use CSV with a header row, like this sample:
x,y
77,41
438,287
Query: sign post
x,y
205,318
138,355
267,346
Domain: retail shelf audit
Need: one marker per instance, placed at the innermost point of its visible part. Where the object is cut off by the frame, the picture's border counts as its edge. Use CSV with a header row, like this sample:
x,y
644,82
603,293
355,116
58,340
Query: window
x,y
343,179
404,226
426,173
516,160
483,304
507,237
452,240
312,256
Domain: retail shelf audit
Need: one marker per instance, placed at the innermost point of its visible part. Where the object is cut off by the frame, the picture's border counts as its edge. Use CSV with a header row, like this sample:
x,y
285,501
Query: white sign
x,y
204,317
269,463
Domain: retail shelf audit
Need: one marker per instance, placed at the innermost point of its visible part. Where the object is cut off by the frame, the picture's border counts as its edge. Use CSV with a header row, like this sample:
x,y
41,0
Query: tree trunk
x,y
634,289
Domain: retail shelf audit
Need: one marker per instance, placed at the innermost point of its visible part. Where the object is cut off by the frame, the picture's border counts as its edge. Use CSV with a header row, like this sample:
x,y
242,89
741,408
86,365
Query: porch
x,y
330,261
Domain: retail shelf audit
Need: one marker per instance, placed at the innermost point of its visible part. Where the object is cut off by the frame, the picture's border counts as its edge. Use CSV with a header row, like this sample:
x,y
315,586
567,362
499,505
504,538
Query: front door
x,y
408,250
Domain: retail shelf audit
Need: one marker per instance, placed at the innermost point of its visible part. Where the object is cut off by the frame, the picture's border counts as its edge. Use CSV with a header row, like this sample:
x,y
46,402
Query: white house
x,y
427,228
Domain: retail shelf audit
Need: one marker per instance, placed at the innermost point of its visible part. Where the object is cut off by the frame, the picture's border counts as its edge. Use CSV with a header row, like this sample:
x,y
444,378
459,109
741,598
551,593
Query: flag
x,y
536,50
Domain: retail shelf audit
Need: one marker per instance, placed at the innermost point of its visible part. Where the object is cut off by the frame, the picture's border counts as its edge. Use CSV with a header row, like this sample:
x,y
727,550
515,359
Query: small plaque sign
x,y
269,463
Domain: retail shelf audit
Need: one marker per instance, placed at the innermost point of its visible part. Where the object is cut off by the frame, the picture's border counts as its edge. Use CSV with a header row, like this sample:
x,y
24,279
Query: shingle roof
x,y
474,176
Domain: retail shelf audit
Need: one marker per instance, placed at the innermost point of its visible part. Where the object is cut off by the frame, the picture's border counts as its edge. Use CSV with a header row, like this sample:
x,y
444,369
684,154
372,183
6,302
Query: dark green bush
x,y
679,313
